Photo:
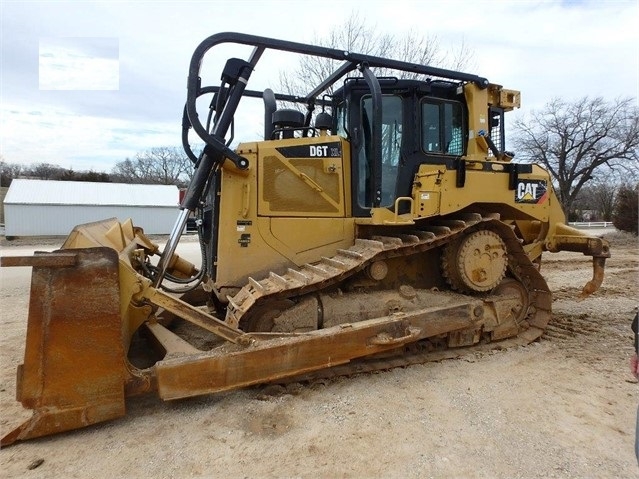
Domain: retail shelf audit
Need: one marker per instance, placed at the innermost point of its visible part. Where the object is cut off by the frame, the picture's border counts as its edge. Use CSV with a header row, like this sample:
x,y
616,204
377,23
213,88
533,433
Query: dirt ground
x,y
562,407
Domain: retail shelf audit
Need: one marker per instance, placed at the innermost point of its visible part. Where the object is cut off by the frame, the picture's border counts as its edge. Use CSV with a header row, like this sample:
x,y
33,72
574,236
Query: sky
x,y
85,85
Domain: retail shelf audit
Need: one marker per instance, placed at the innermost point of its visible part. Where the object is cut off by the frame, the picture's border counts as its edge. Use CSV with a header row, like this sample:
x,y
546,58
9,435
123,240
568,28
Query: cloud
x,y
79,64
81,142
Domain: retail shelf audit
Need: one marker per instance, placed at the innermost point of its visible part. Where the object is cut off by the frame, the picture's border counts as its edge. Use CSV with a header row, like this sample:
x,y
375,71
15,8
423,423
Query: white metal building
x,y
41,208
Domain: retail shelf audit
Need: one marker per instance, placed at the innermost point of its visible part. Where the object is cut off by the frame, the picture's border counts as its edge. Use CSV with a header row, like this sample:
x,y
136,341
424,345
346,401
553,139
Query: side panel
x,y
242,251
532,197
290,209
301,177
306,240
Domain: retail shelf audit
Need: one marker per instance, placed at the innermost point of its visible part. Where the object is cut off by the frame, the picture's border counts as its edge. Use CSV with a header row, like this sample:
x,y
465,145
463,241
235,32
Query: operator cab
x,y
439,136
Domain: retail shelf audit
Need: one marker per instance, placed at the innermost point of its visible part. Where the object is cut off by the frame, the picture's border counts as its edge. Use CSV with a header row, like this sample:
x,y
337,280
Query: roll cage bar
x,y
351,61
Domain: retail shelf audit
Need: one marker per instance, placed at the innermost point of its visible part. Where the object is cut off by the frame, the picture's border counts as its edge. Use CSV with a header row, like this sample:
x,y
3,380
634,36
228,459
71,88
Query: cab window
x,y
442,127
342,129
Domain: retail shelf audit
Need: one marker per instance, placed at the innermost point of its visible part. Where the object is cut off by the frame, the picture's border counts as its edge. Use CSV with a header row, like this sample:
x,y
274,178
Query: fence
x,y
592,224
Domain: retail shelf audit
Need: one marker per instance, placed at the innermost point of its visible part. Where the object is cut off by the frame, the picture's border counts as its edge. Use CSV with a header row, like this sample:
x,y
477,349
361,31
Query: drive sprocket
x,y
475,263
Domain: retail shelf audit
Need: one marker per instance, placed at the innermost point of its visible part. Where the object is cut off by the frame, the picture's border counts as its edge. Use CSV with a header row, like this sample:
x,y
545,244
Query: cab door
x,y
301,197
392,136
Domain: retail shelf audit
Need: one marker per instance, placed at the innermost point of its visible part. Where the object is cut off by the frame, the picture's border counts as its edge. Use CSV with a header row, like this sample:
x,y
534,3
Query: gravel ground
x,y
562,407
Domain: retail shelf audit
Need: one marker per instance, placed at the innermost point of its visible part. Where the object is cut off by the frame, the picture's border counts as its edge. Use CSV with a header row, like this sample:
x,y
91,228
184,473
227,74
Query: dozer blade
x,y
74,366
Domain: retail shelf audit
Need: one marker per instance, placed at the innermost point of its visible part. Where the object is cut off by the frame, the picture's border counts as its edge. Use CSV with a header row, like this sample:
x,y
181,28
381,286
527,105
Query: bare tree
x,y
163,165
45,171
581,141
598,198
8,171
604,196
357,35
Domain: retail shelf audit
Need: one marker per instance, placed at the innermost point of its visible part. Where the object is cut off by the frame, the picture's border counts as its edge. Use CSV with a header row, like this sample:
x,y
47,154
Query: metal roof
x,y
45,192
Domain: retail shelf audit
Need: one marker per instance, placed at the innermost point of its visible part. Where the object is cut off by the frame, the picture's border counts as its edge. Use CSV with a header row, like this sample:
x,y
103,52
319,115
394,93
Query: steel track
x,y
331,271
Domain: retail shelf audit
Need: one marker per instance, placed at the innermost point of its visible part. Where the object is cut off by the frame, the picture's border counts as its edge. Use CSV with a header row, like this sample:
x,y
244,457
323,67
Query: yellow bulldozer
x,y
380,223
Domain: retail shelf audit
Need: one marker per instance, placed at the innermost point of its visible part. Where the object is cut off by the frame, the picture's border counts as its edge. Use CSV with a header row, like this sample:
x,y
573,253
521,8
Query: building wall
x,y
3,193
59,220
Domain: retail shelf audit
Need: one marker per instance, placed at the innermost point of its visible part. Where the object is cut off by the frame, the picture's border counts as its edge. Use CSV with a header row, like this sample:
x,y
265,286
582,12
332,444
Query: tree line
x,y
47,171
162,165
